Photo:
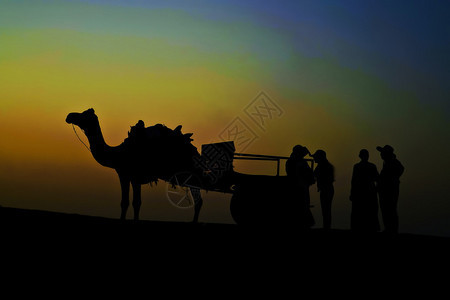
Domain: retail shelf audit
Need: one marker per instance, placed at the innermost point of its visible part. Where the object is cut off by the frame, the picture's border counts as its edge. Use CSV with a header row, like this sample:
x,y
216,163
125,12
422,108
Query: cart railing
x,y
247,156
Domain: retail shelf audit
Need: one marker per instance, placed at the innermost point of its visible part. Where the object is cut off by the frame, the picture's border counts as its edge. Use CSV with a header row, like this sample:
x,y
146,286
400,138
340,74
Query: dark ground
x,y
66,245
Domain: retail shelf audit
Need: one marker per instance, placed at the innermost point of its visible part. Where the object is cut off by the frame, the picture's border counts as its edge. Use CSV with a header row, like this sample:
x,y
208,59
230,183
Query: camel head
x,y
84,120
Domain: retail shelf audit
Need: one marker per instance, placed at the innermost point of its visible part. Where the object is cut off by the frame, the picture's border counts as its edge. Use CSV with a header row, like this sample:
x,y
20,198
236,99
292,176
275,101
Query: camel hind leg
x,y
198,203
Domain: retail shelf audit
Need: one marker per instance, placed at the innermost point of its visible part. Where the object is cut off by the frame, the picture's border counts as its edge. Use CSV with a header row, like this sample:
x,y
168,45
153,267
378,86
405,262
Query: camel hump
x,y
140,134
137,129
140,124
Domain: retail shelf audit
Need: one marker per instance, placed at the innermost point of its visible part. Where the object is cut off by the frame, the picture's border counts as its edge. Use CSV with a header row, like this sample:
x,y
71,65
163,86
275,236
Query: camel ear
x,y
178,129
91,110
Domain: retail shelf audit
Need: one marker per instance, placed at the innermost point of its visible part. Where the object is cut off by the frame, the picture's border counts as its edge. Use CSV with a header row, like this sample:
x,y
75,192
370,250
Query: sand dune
x,y
54,239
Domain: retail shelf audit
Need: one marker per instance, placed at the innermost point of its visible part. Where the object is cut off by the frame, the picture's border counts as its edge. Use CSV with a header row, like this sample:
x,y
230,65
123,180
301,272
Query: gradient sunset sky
x,y
345,75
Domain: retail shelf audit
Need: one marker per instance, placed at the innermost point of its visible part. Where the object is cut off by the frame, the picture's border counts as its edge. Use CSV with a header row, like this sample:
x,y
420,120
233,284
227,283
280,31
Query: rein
x,y
74,130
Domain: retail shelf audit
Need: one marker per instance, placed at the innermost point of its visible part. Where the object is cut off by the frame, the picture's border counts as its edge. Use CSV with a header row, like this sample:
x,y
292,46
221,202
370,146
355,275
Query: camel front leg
x,y
136,199
125,187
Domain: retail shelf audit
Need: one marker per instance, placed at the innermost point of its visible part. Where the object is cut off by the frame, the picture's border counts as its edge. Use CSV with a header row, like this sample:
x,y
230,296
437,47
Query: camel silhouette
x,y
146,155
157,152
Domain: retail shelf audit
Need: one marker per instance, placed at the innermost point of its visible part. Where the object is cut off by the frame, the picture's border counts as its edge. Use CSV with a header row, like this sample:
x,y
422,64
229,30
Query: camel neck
x,y
102,153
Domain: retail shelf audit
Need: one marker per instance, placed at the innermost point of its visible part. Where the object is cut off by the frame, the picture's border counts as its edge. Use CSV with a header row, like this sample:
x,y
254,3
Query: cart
x,y
256,199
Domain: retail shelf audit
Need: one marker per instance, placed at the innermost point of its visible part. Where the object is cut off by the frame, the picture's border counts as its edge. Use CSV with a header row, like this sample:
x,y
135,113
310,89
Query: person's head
x,y
300,151
364,154
319,156
386,152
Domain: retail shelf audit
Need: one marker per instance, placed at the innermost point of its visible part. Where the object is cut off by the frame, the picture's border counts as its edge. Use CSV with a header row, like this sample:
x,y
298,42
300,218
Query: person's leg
x,y
388,206
394,208
384,209
326,198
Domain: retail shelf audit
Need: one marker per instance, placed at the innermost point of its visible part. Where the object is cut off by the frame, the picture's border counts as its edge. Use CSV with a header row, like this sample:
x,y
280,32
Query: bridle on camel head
x,y
74,130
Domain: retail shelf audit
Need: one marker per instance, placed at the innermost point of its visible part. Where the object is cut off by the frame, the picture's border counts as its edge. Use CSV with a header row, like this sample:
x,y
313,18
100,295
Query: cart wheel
x,y
183,190
272,206
248,206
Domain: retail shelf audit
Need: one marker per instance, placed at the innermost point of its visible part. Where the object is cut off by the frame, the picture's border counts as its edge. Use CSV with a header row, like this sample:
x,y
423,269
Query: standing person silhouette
x,y
324,174
363,195
301,177
389,187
